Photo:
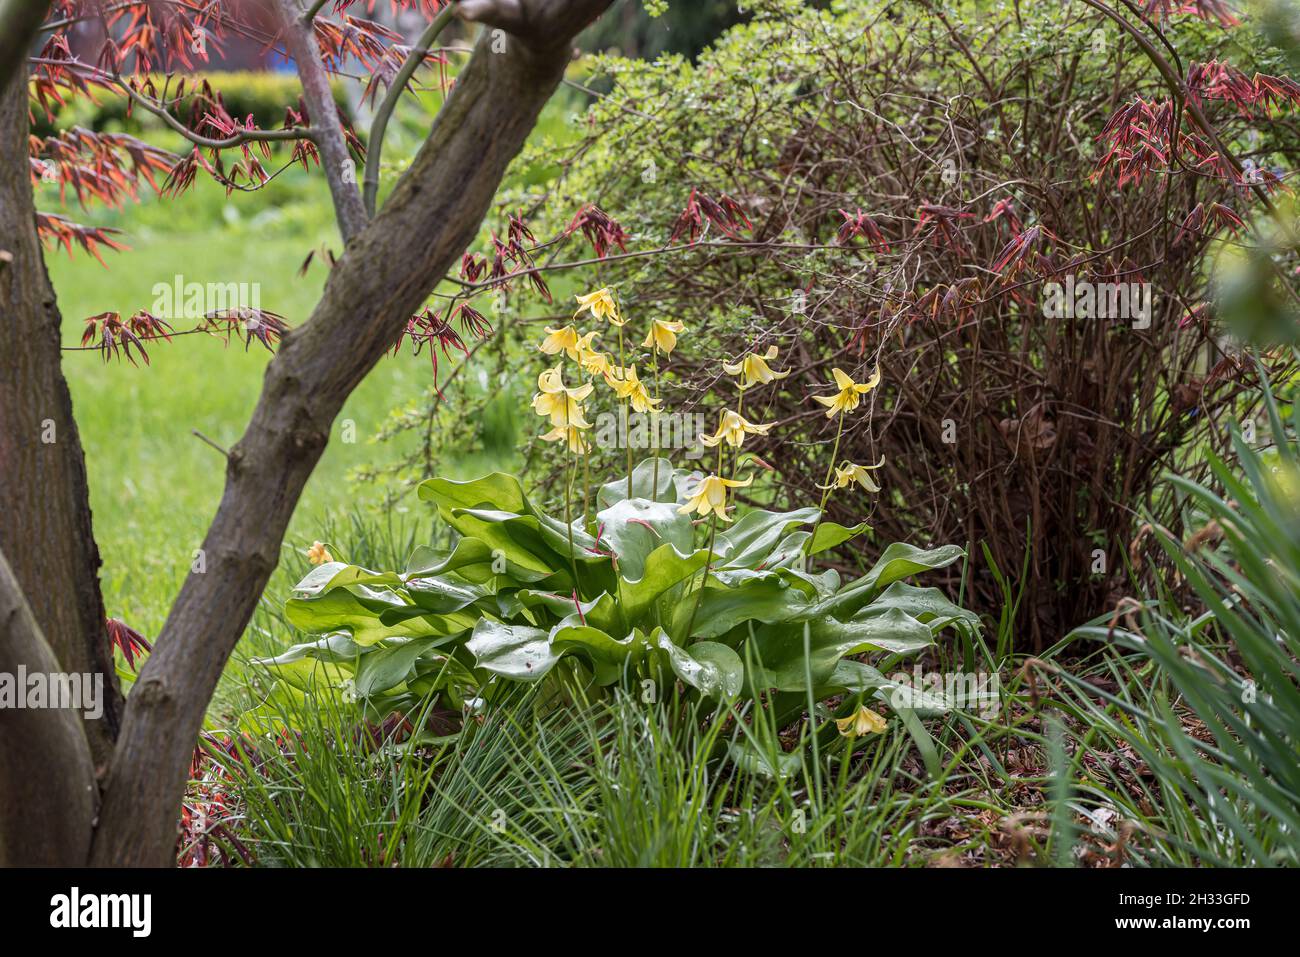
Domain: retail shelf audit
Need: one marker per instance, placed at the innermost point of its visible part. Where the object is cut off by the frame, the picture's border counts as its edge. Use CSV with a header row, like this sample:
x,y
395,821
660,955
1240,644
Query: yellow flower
x,y
601,305
850,394
597,364
863,721
562,404
732,428
318,554
663,335
561,340
571,433
626,385
848,473
754,369
711,496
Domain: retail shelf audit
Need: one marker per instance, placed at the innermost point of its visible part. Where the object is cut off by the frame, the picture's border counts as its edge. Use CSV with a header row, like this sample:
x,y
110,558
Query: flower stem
x,y
826,491
704,579
654,425
740,410
570,469
626,413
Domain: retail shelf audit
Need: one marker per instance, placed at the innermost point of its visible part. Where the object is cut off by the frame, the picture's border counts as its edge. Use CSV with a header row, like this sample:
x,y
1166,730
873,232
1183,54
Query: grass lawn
x,y
154,486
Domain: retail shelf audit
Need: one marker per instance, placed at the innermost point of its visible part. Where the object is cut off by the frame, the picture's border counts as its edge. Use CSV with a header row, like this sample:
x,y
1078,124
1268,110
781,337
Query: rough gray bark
x,y
45,526
385,275
47,782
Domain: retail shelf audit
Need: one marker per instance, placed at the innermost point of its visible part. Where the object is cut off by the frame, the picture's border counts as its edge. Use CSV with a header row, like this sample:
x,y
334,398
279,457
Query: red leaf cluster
x,y
1141,138
701,209
117,336
126,640
64,232
860,224
601,230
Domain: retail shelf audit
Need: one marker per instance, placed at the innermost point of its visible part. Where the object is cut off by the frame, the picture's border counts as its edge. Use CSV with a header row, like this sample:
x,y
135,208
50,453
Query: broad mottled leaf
x,y
643,484
778,649
610,658
898,561
633,528
357,610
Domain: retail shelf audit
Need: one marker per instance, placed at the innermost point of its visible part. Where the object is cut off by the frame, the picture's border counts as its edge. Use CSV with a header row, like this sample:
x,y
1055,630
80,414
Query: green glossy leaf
x,y
831,535
442,596
763,598
498,492
643,484
387,667
610,658
520,652
898,561
599,612
928,605
633,528
665,568
713,670
472,559
357,610
749,541
337,648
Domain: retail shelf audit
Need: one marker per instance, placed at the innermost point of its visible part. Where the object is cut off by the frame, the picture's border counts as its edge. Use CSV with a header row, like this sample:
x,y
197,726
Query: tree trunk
x,y
19,21
45,526
47,783
384,277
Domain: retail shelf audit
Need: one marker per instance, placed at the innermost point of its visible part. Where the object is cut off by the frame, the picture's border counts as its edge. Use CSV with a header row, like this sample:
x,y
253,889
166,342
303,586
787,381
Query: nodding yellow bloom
x,y
574,437
732,429
850,394
711,497
848,473
863,721
626,385
597,364
663,335
754,369
561,340
318,554
562,404
601,304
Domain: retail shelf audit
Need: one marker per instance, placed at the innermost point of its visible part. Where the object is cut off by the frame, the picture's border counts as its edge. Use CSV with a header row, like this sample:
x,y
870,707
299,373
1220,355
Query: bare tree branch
x,y
340,170
238,139
375,147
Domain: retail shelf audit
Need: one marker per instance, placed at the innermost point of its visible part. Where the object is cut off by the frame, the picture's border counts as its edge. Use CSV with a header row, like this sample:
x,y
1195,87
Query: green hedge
x,y
264,95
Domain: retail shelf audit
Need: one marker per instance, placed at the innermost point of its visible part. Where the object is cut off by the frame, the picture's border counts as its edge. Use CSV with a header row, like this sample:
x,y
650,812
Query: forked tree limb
x,y
384,277
340,171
